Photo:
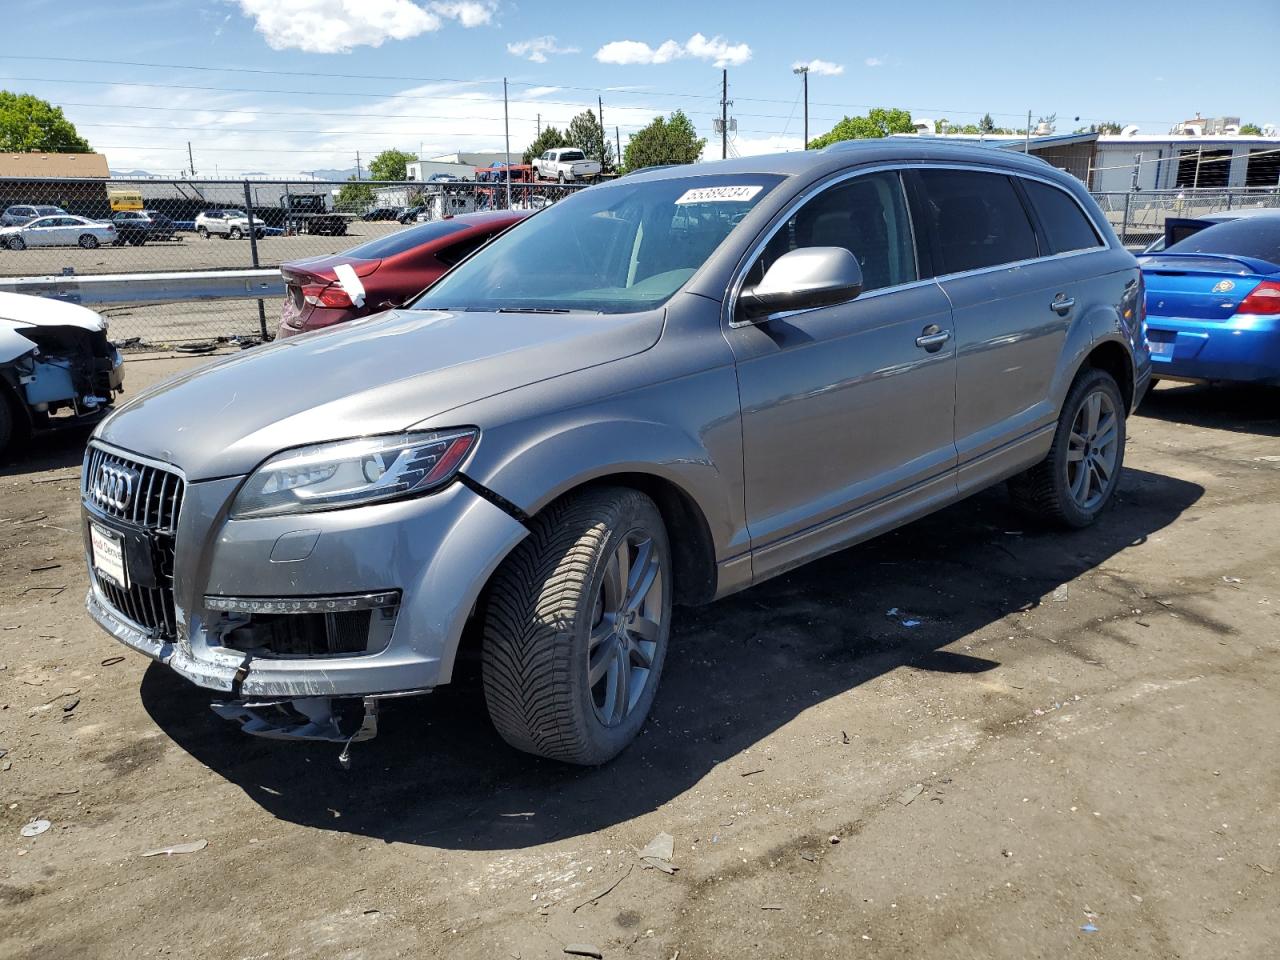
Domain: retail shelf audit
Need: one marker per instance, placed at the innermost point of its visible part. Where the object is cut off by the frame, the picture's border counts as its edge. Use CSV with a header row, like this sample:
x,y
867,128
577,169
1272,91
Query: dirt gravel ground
x,y
1073,754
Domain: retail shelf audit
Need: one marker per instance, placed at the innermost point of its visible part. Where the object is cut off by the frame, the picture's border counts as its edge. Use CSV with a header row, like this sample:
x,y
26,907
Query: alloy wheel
x,y
1092,450
625,628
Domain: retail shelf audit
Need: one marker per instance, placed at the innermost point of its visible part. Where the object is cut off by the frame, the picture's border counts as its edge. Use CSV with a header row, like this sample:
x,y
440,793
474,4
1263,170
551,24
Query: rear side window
x,y
976,219
1065,226
866,215
454,253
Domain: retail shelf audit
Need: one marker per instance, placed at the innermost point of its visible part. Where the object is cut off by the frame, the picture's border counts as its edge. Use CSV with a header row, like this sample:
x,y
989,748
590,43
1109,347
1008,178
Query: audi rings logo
x,y
113,487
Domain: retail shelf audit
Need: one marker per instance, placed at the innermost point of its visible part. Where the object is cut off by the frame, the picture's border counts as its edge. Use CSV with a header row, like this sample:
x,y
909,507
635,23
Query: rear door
x,y
1014,302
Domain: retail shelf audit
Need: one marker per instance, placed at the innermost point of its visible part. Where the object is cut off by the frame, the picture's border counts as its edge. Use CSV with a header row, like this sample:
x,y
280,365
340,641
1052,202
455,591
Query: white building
x,y
1180,161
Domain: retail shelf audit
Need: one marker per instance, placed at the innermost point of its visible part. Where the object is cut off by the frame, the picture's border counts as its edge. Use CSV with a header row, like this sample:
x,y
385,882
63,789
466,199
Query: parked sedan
x,y
384,272
65,231
139,226
16,216
1213,304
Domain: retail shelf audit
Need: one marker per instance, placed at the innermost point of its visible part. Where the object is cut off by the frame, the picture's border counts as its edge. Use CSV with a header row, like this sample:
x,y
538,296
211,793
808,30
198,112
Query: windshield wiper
x,y
533,310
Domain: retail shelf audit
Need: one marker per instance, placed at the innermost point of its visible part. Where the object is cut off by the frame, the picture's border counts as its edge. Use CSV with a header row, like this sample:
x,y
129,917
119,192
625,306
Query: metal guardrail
x,y
152,288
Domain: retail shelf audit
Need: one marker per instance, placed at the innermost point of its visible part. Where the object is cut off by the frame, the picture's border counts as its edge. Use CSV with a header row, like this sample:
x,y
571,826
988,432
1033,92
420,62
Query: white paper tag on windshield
x,y
349,282
738,193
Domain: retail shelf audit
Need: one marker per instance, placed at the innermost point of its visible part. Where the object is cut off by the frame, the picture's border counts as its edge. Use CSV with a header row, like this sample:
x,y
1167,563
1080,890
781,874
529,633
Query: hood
x,y
43,312
382,374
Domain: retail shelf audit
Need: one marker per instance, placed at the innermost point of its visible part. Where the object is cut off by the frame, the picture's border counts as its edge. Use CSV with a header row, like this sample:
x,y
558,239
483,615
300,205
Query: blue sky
x,y
426,74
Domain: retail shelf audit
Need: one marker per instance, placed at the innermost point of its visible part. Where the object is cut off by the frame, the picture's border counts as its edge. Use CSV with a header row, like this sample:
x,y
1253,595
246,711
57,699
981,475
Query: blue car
x,y
1213,304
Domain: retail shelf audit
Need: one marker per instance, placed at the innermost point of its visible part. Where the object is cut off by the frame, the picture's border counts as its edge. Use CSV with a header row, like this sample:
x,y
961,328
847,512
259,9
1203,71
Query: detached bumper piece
x,y
307,627
324,719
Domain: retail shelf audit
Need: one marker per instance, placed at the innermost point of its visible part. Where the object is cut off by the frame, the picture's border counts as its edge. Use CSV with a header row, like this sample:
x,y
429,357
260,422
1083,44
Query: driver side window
x,y
866,215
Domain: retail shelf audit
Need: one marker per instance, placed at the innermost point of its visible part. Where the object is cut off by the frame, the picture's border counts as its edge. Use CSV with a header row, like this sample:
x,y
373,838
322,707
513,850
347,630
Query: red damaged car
x,y
383,273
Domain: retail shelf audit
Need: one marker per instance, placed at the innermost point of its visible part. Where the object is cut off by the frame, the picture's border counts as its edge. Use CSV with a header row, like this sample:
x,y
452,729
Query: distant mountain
x,y
132,173
333,174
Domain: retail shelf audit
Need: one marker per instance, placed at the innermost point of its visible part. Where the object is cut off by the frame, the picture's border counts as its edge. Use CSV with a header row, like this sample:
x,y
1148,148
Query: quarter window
x,y
977,220
867,216
1064,223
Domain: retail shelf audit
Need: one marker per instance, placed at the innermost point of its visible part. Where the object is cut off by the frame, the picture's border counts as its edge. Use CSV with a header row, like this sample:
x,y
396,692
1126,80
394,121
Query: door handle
x,y
932,338
1062,304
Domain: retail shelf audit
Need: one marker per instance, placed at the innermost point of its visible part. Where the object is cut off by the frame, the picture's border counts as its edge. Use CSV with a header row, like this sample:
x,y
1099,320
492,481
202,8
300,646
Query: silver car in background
x,y
655,392
60,231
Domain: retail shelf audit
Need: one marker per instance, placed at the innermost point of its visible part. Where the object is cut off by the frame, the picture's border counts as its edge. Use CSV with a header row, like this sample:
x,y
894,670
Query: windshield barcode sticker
x,y
731,194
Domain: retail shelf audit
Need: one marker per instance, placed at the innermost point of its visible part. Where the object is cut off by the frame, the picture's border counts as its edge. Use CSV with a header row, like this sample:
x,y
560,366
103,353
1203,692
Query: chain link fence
x,y
121,226
129,227
1138,217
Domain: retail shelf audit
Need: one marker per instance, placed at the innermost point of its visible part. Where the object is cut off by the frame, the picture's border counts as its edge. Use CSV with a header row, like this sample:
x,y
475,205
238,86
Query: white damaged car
x,y
57,368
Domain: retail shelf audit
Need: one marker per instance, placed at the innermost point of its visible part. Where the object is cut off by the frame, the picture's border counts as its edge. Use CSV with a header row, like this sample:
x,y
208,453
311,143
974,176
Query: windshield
x,y
616,249
233,213
1257,237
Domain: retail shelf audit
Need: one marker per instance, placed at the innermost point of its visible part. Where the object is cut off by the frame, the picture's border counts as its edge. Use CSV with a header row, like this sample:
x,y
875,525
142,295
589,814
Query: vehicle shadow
x,y
737,671
51,451
1241,409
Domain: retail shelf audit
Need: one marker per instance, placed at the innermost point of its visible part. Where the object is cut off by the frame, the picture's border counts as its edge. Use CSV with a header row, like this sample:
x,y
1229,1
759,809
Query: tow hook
x,y
306,718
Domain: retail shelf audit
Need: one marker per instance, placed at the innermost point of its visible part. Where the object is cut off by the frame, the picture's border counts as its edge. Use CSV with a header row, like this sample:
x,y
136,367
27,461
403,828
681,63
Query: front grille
x,y
156,495
152,504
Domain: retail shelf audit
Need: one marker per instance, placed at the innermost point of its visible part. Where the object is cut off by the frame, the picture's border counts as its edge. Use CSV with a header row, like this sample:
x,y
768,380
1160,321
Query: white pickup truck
x,y
566,163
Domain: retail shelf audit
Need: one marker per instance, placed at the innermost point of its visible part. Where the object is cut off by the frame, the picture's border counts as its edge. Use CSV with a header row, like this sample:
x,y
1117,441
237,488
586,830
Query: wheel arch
x,y
1112,356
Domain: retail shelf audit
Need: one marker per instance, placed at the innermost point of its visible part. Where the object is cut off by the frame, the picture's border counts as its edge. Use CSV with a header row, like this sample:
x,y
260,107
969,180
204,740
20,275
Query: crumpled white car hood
x,y
43,312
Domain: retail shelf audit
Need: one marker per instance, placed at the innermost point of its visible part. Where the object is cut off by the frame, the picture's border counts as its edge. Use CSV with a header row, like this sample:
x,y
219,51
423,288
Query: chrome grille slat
x,y
154,507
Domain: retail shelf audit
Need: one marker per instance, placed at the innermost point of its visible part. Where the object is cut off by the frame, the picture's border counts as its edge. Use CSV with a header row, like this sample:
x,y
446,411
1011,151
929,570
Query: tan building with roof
x,y
41,179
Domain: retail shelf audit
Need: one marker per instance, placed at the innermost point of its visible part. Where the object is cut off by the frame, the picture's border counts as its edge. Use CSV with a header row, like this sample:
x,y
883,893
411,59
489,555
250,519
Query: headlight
x,y
352,473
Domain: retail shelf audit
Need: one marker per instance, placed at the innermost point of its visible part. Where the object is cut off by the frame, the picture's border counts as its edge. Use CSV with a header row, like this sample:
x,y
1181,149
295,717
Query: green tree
x,y
1251,130
878,122
549,139
986,124
354,196
673,140
390,165
585,133
29,124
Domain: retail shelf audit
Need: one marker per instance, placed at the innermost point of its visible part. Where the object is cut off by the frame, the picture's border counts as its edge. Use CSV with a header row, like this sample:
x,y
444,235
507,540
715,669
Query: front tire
x,y
576,625
17,243
1076,481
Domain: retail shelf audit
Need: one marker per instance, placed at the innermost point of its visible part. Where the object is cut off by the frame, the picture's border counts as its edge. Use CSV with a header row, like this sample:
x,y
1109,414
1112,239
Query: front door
x,y
847,410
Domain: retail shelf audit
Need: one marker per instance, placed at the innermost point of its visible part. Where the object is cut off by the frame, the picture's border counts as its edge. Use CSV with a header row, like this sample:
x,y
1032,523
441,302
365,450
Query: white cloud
x,y
534,92
874,61
469,13
538,49
337,26
821,68
717,49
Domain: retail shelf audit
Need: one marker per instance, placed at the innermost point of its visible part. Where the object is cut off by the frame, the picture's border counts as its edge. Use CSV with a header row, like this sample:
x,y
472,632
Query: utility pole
x,y
724,114
600,108
191,162
1026,144
804,73
506,132
617,139
359,171
539,124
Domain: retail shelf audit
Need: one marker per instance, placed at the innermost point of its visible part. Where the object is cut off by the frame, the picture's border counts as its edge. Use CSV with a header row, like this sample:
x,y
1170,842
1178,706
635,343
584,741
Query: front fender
x,y
540,466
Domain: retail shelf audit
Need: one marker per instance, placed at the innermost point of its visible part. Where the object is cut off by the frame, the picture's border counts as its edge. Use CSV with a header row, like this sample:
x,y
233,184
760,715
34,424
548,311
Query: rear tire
x,y
202,232
574,634
235,233
1076,480
89,241
7,422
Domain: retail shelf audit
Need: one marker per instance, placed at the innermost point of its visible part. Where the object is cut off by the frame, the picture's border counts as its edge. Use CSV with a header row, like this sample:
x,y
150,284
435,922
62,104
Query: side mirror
x,y
801,280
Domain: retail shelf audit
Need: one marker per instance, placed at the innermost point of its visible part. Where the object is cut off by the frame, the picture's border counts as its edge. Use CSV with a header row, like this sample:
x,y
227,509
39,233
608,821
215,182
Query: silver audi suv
x,y
656,392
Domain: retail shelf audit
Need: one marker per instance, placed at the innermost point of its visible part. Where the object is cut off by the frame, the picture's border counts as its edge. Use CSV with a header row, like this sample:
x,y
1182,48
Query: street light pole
x,y
804,74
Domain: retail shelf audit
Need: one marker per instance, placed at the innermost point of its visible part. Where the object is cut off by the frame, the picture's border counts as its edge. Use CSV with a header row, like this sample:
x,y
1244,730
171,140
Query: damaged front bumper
x,y
413,567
